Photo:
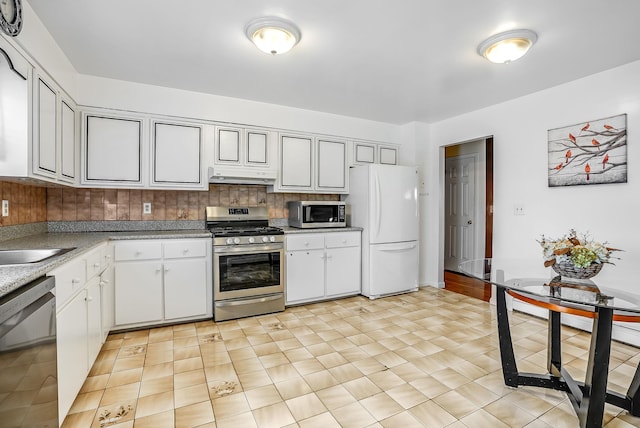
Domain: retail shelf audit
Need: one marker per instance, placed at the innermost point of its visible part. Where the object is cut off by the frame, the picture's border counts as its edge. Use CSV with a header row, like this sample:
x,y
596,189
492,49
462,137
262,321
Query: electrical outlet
x,y
5,208
146,208
518,209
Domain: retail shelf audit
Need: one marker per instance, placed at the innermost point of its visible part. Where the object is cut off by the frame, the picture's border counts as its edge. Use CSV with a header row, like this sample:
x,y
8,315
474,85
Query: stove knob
x,y
252,240
272,238
229,241
236,240
265,239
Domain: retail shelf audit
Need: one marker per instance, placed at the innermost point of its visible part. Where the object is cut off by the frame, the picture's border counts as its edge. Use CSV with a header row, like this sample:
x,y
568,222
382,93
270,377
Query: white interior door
x,y
460,210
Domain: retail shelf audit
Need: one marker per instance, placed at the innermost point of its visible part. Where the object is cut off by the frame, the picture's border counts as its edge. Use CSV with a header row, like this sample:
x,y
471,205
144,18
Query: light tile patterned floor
x,y
428,359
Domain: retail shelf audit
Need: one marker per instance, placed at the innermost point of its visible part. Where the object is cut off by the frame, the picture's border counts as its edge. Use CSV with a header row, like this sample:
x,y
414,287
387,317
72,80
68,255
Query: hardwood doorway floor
x,y
462,284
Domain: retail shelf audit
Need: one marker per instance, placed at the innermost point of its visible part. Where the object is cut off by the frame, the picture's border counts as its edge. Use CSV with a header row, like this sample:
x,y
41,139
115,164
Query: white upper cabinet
x,y
55,132
365,152
112,150
69,154
177,155
136,151
243,153
312,165
296,163
45,128
388,155
331,165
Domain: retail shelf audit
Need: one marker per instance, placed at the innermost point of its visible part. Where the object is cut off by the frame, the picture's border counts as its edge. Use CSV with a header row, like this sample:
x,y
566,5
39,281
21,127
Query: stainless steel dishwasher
x,y
28,362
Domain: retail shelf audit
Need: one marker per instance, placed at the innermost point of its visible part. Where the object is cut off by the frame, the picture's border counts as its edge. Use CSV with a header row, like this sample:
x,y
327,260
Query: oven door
x,y
247,271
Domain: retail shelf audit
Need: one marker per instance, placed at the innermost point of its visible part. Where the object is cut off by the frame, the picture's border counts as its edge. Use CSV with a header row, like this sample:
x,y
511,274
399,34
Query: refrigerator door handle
x,y
378,208
399,248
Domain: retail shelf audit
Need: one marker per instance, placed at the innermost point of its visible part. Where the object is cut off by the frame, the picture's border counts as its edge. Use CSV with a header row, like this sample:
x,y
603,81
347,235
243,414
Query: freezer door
x,y
393,204
393,268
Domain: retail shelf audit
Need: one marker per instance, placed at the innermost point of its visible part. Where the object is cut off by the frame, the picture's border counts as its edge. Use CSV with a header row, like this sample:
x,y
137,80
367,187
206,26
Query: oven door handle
x,y
238,302
248,249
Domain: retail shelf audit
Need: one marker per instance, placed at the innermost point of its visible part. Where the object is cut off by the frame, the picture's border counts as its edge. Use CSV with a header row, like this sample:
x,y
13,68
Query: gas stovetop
x,y
225,231
231,225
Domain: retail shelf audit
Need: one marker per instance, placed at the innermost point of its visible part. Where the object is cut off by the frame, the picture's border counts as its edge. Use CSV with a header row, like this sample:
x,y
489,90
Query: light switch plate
x,y
146,208
5,208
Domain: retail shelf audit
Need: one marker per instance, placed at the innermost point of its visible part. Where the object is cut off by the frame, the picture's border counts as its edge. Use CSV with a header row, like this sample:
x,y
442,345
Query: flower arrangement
x,y
581,251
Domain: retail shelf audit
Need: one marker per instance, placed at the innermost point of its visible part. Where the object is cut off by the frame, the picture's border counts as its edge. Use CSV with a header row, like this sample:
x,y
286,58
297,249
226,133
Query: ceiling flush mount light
x,y
273,35
502,48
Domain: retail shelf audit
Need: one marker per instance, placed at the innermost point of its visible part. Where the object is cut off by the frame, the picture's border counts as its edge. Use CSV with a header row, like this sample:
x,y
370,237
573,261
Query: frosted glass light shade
x,y
273,35
508,46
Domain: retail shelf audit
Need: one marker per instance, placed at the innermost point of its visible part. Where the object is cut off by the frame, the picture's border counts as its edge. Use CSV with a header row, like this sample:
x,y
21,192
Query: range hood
x,y
239,175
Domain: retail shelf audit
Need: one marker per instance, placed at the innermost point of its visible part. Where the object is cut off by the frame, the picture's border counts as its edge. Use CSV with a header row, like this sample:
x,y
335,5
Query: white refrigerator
x,y
383,200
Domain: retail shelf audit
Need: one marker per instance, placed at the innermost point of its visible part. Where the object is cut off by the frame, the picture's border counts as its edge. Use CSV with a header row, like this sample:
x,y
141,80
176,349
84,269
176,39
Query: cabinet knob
x,y
306,244
108,257
96,265
75,281
344,241
89,299
185,251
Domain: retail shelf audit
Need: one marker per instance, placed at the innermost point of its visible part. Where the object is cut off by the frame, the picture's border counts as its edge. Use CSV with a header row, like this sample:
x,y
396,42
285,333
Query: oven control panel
x,y
248,240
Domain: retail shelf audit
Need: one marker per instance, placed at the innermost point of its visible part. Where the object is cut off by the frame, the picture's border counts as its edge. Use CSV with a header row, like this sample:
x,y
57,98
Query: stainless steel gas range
x,y
248,262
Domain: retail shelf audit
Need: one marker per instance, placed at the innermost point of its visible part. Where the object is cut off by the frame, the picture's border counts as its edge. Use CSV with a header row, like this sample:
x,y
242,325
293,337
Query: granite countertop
x,y
292,230
15,276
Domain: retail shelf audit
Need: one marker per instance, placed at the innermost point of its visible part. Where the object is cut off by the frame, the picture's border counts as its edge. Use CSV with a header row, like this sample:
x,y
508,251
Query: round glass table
x,y
534,284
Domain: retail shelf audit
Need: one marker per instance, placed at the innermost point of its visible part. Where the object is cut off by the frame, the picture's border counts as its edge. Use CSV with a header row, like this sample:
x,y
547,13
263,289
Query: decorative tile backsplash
x,y
33,204
27,204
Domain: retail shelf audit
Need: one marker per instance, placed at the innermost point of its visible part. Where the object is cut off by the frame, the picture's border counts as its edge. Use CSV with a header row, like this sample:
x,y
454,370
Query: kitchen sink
x,y
21,257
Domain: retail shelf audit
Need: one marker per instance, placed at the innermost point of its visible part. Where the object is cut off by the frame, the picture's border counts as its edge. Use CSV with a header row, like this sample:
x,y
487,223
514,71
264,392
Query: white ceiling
x,y
392,61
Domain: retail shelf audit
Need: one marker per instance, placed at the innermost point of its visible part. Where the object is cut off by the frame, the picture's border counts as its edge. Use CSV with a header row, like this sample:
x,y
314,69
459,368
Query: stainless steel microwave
x,y
315,214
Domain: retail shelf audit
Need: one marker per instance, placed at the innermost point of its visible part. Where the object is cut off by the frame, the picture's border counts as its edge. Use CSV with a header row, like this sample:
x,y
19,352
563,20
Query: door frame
x,y
484,202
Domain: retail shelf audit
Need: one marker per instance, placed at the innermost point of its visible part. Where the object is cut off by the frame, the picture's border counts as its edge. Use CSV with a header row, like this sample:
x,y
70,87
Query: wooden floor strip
x,y
463,284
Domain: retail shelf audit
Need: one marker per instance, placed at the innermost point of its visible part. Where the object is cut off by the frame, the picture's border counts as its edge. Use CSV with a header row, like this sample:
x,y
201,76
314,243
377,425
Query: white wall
x,y
519,127
96,91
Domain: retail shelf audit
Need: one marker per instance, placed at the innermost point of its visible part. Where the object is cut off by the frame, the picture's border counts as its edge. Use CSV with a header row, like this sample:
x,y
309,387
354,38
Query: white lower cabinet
x,y
162,280
138,291
322,265
72,352
79,317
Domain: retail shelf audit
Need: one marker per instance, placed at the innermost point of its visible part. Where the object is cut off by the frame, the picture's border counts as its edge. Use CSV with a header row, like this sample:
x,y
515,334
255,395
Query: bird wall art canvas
x,y
593,152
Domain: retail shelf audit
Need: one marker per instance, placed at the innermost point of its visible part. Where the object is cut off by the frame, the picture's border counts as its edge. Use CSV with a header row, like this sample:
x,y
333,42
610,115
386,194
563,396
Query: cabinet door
x,y
305,276
296,162
138,292
45,128
72,351
364,153
388,155
185,288
113,150
228,146
68,140
332,166
177,154
343,271
257,149
94,320
107,299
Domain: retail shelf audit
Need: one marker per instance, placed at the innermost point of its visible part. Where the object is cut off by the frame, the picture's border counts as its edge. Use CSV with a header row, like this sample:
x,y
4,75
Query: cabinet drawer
x,y
345,239
95,263
305,242
70,278
138,250
184,249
